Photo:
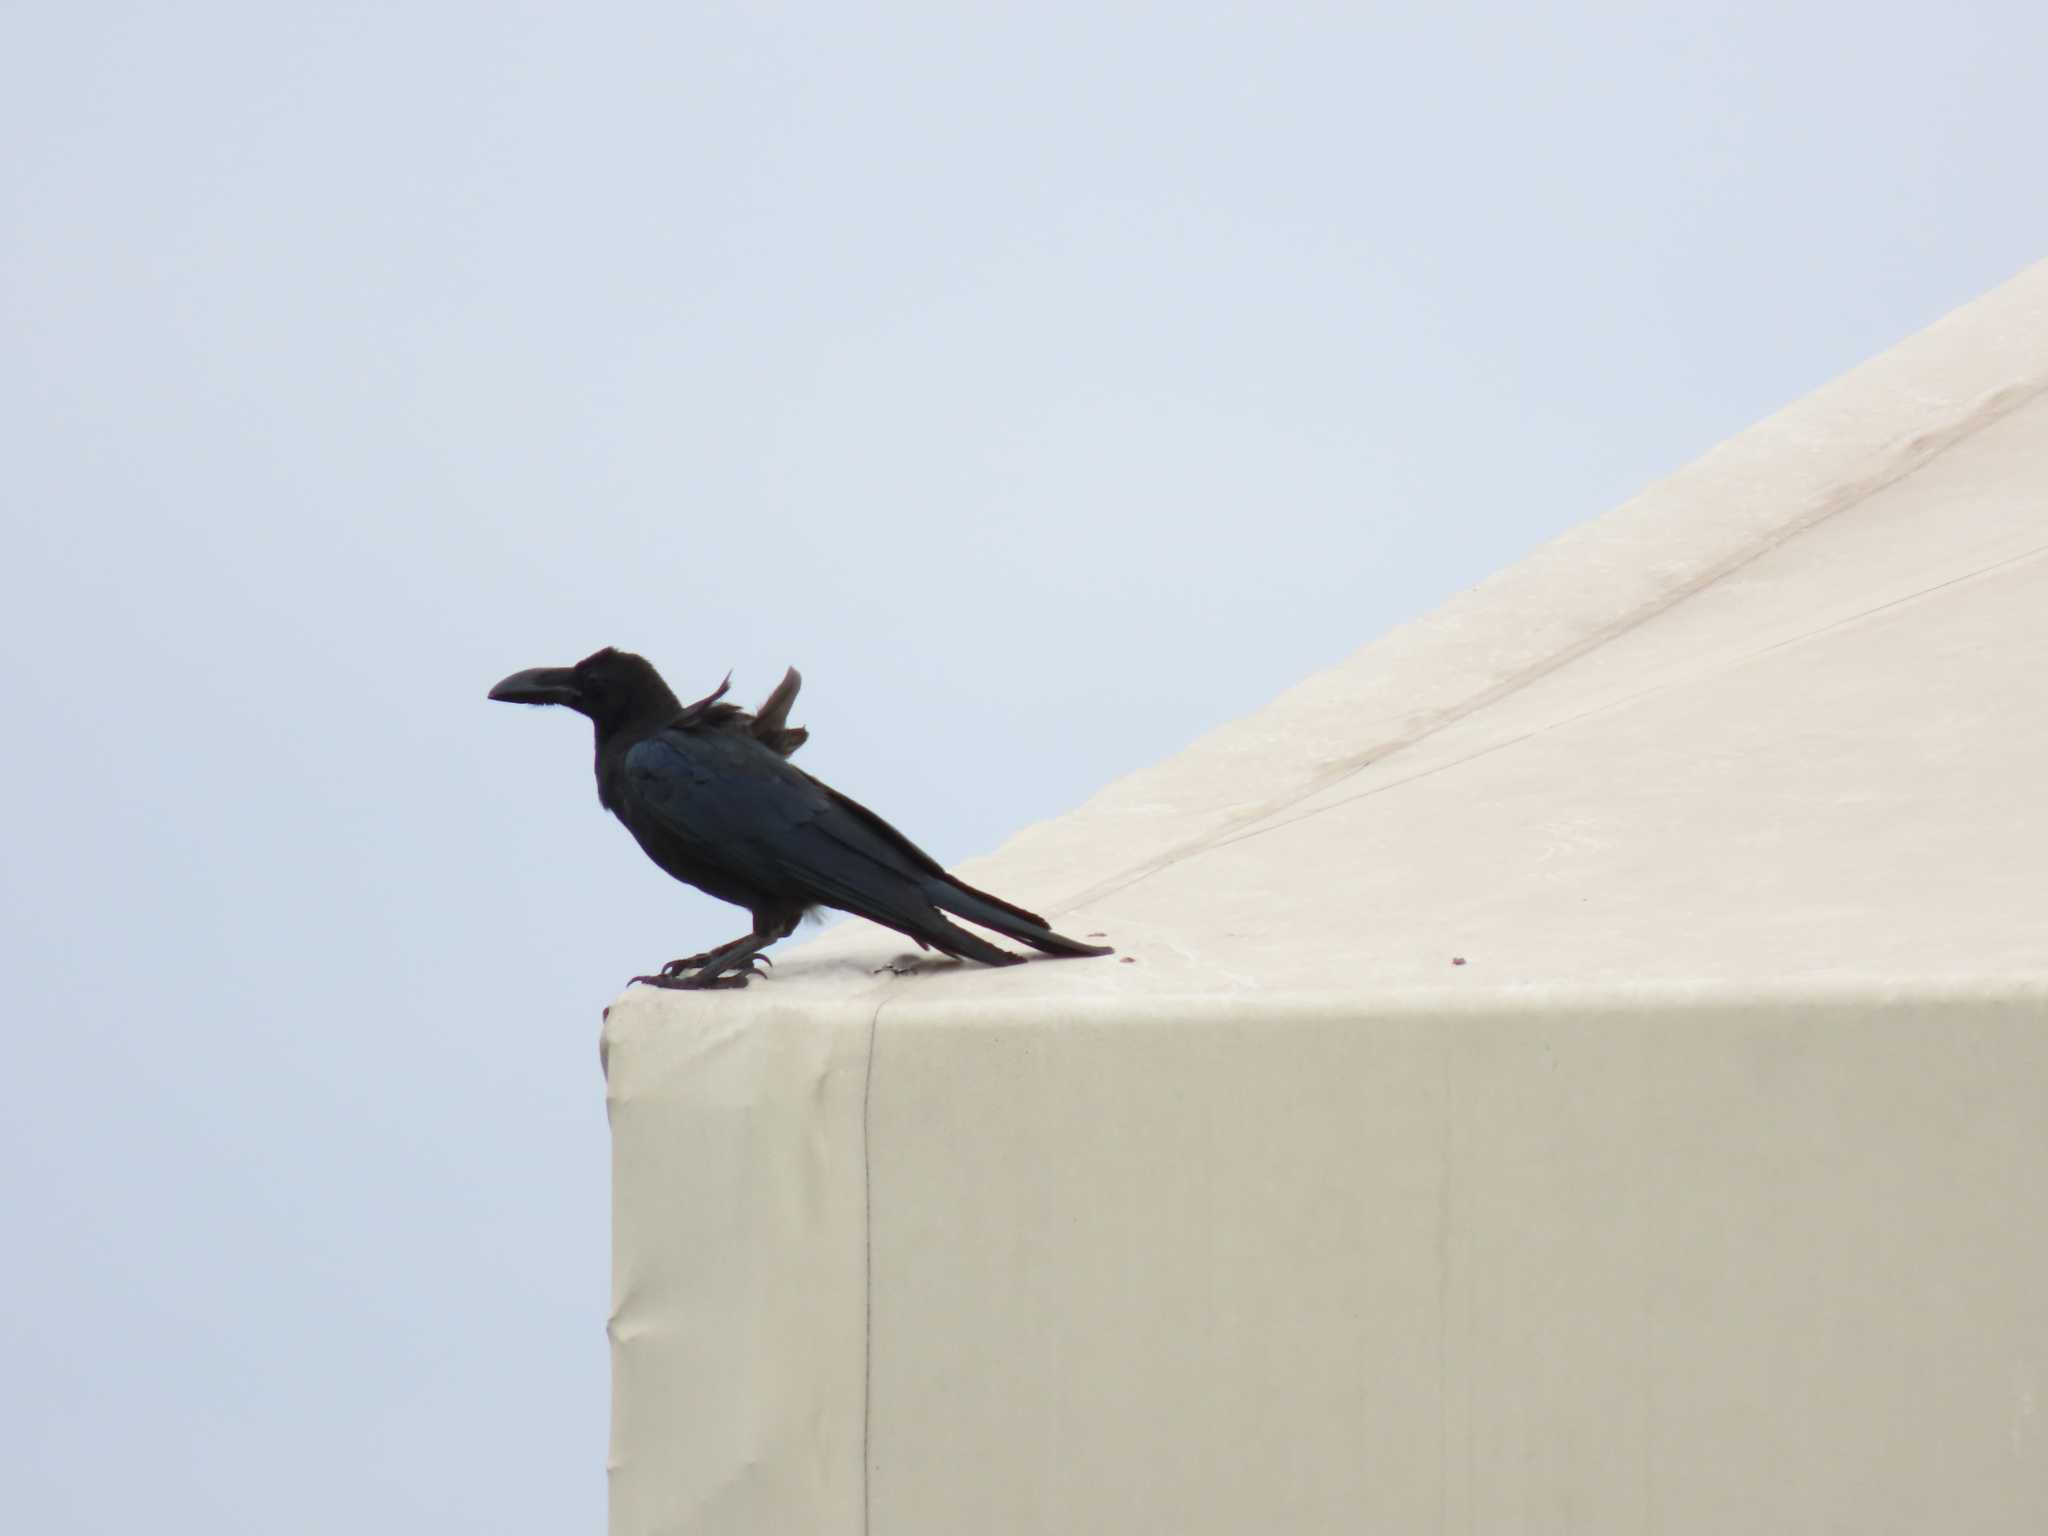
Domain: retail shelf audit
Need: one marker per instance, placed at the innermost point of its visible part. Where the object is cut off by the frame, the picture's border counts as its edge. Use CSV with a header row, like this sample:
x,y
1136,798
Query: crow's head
x,y
613,688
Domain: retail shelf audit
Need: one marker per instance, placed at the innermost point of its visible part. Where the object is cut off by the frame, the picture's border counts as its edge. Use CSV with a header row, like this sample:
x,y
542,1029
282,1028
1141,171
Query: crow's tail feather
x,y
994,913
951,939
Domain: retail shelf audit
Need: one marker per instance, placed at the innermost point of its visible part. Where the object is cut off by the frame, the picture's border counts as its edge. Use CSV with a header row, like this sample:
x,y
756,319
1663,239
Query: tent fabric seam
x,y
1225,839
1908,459
867,1232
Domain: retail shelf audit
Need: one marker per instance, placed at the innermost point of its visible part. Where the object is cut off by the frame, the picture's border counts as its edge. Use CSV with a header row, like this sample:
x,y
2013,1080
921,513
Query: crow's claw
x,y
697,982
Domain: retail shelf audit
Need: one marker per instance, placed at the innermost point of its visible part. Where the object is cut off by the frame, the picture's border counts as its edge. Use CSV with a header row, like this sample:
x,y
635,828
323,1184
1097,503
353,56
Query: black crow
x,y
707,792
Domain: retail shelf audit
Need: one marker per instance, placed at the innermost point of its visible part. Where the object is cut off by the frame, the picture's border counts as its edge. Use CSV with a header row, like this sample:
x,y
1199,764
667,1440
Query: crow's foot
x,y
679,976
693,962
696,982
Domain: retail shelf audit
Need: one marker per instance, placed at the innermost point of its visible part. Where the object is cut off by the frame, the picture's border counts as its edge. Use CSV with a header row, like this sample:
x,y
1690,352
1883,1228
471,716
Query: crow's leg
x,y
730,965
706,970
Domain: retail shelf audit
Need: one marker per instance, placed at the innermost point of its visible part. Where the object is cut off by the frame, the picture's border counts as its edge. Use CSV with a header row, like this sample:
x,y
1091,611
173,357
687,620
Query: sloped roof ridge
x,y
1821,456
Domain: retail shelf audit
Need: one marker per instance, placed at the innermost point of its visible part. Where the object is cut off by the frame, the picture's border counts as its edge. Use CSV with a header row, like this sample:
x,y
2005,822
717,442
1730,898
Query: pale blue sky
x,y
1050,383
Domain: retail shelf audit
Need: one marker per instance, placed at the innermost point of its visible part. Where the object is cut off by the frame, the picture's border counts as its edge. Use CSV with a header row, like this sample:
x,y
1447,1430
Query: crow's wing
x,y
733,805
771,724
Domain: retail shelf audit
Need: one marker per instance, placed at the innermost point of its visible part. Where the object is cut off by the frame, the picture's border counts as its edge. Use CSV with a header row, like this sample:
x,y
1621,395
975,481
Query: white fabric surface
x,y
1705,1195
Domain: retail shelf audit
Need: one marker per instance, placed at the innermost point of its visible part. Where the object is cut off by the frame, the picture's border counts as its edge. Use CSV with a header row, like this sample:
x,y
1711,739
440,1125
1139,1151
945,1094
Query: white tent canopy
x,y
1581,1063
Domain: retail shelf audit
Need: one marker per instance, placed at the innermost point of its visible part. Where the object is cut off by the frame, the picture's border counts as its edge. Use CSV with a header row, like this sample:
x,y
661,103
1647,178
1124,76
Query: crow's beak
x,y
539,685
